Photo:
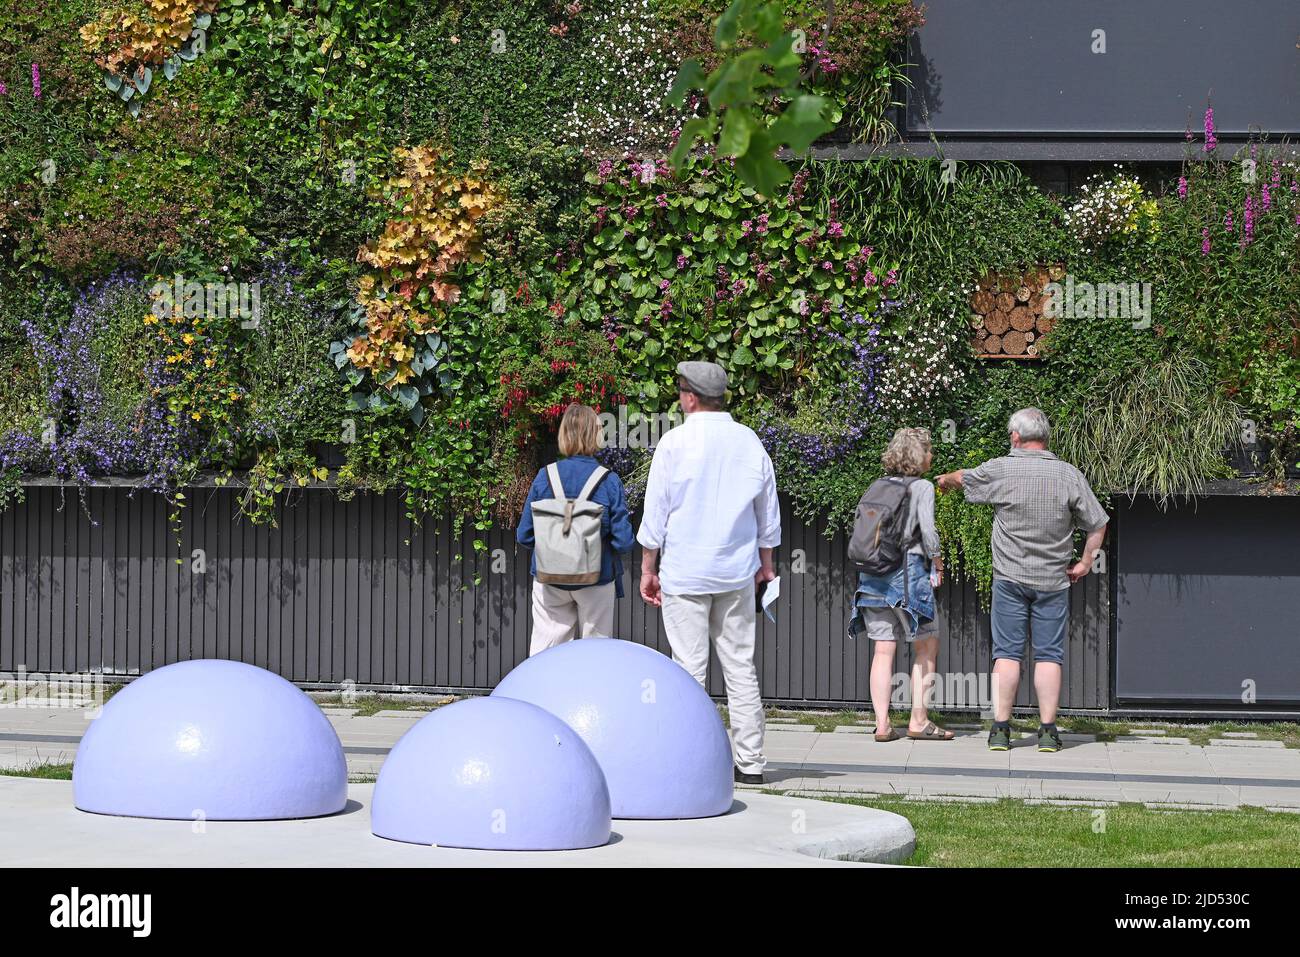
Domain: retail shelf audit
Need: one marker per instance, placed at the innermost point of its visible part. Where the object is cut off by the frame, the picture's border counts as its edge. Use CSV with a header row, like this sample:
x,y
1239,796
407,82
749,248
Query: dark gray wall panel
x,y
1208,597
1027,66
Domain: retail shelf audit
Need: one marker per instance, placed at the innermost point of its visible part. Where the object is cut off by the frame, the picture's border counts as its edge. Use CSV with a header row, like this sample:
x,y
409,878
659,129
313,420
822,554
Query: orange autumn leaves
x,y
141,31
433,231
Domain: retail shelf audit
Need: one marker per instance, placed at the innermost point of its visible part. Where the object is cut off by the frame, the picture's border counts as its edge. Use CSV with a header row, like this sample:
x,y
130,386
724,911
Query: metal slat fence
x,y
354,591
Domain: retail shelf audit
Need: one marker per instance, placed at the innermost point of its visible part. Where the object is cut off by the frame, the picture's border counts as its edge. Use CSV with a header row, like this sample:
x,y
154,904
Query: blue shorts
x,y
1019,611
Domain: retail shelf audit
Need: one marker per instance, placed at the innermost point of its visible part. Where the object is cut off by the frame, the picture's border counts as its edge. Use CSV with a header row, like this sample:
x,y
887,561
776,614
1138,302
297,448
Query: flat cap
x,y
704,378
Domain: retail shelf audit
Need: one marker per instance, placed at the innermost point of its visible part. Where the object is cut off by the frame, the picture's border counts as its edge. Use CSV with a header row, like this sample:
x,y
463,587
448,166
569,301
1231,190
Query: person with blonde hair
x,y
900,605
562,612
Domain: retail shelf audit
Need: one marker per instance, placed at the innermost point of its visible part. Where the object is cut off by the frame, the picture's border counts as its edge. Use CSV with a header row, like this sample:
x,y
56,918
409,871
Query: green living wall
x,y
383,243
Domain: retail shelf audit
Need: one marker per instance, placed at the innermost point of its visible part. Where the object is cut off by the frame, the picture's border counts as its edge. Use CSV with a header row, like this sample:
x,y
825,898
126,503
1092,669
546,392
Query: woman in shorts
x,y
900,607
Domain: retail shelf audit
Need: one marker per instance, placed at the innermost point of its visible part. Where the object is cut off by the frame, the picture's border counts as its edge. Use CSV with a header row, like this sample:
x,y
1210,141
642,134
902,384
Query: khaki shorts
x,y
893,624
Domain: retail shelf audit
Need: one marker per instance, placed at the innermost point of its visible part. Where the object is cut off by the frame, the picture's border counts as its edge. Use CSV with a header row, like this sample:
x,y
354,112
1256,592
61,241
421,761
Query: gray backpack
x,y
879,540
567,534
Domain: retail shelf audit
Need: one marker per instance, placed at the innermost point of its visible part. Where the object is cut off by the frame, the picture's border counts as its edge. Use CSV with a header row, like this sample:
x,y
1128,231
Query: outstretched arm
x,y
949,481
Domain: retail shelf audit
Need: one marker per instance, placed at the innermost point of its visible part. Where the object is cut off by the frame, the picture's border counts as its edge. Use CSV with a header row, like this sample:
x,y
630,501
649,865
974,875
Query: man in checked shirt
x,y
1038,502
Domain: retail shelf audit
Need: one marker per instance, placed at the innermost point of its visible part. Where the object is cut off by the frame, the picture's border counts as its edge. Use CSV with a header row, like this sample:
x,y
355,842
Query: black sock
x,y
1002,724
1049,726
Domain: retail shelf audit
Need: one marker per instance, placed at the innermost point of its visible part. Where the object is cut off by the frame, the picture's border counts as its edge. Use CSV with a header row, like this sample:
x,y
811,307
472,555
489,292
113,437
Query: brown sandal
x,y
890,735
931,732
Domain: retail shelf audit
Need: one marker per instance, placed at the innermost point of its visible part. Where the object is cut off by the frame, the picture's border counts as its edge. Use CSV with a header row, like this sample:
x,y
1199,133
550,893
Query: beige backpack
x,y
567,539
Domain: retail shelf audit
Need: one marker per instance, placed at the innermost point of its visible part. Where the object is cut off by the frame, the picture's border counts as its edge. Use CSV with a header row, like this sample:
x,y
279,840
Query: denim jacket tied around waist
x,y
908,589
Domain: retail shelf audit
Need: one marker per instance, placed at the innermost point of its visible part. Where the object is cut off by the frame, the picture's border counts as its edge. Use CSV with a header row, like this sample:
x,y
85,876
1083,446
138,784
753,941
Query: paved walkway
x,y
1163,770
39,827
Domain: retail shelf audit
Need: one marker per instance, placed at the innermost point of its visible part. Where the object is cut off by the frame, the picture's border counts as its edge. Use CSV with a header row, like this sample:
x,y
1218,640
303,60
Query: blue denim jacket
x,y
616,532
888,592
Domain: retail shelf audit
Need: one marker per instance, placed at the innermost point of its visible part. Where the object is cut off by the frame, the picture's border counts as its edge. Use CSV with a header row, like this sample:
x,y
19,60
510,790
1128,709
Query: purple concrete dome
x,y
654,730
211,740
492,773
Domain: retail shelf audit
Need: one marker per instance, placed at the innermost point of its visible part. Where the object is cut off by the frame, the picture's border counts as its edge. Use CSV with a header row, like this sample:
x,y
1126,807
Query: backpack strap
x,y
553,476
593,480
915,537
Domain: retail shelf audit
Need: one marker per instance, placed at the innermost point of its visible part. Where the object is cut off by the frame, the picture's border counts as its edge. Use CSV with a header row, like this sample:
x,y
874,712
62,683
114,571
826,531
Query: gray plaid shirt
x,y
1038,502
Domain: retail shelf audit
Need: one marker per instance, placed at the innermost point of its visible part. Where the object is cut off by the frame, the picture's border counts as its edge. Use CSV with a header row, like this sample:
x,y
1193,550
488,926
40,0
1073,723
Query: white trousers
x,y
728,619
560,615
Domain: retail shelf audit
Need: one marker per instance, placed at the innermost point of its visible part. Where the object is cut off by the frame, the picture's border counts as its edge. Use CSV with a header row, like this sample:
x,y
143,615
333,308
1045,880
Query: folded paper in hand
x,y
767,597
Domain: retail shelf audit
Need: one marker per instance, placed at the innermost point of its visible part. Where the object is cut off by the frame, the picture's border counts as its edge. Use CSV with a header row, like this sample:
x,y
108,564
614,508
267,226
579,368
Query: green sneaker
x,y
1000,739
1048,740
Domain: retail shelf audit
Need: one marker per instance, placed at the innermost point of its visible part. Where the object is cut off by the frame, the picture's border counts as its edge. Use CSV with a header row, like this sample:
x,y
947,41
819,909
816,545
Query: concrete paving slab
x,y
39,827
784,780
894,753
1276,757
955,784
855,729
1240,743
1108,793
1067,768
79,703
1025,788
22,758
1135,739
792,731
1269,796
1239,734
1072,802
952,798
1255,765
821,790
1184,794
1161,759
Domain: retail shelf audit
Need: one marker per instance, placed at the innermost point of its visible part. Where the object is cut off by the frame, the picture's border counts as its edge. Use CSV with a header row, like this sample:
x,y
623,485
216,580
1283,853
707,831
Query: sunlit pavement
x,y
1230,772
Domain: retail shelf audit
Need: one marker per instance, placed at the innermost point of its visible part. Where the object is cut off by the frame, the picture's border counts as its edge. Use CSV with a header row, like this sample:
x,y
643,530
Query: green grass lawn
x,y
1010,833
367,704
55,772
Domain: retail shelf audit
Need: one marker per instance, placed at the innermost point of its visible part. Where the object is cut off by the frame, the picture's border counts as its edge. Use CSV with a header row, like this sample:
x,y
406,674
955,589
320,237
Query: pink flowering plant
x,y
1229,286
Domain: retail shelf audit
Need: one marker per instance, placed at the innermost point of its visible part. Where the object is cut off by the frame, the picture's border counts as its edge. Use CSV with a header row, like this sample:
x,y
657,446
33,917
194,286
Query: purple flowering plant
x,y
107,388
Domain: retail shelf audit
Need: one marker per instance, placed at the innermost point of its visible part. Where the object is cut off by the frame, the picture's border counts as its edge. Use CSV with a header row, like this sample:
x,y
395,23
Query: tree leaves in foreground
x,y
760,63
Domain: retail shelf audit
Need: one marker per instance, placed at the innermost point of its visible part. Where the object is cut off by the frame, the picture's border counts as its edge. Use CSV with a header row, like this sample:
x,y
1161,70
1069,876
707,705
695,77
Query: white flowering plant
x,y
619,102
923,358
1113,207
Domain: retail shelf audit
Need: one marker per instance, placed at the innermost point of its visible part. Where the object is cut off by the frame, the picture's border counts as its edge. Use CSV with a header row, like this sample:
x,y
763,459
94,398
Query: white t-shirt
x,y
710,505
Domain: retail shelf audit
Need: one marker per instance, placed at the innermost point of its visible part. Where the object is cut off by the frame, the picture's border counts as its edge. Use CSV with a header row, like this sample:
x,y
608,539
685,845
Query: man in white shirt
x,y
711,522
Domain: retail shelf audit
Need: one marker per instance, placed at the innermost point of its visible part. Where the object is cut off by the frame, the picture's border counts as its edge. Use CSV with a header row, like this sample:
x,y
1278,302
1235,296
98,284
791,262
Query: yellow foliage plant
x,y
132,33
433,231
